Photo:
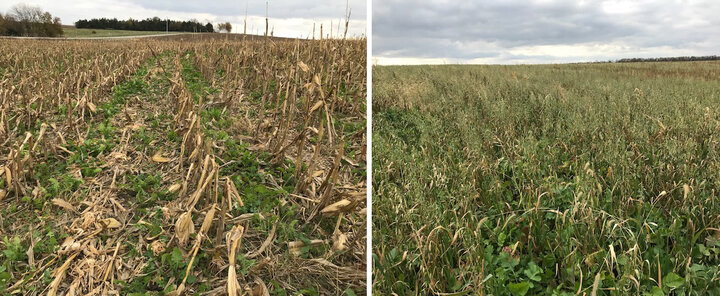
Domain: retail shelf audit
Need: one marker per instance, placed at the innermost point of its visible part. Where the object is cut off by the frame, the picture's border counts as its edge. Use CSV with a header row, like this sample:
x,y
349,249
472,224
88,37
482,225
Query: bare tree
x,y
29,18
3,22
226,26
26,20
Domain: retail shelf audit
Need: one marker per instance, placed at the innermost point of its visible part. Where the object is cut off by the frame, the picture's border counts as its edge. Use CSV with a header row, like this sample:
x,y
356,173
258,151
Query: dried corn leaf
x,y
92,107
259,290
61,203
118,155
295,247
208,220
317,174
174,188
157,157
8,176
184,227
309,86
339,241
110,223
303,66
317,106
193,154
343,205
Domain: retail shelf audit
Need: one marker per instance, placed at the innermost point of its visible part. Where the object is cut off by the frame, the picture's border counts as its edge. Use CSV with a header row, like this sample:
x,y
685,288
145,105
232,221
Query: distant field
x,y
582,179
73,32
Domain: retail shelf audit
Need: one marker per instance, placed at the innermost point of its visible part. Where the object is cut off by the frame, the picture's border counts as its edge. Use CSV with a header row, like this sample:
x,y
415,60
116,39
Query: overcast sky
x,y
541,31
290,18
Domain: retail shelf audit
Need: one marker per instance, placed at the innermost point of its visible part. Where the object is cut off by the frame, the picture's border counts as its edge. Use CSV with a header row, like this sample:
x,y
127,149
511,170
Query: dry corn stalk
x,y
327,186
232,191
233,239
60,274
198,241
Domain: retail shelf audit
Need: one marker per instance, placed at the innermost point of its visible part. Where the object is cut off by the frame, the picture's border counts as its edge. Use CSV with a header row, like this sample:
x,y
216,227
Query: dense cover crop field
x,y
596,179
203,166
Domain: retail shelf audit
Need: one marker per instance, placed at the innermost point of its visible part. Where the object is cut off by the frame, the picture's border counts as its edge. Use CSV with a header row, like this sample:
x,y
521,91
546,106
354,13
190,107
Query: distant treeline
x,y
149,24
670,59
25,20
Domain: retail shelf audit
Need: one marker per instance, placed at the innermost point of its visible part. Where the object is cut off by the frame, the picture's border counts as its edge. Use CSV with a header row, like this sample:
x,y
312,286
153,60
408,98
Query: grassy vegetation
x,y
590,179
75,32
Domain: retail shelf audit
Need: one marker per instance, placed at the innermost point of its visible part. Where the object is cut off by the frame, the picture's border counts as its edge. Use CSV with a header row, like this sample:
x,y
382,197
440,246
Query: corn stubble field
x,y
582,179
183,166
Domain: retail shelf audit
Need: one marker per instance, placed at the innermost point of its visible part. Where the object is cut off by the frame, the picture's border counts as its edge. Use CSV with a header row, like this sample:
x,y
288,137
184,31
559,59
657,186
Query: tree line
x,y
149,24
31,21
670,59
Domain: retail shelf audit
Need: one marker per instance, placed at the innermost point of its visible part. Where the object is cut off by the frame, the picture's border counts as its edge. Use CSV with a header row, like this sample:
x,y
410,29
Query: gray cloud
x,y
477,30
276,8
